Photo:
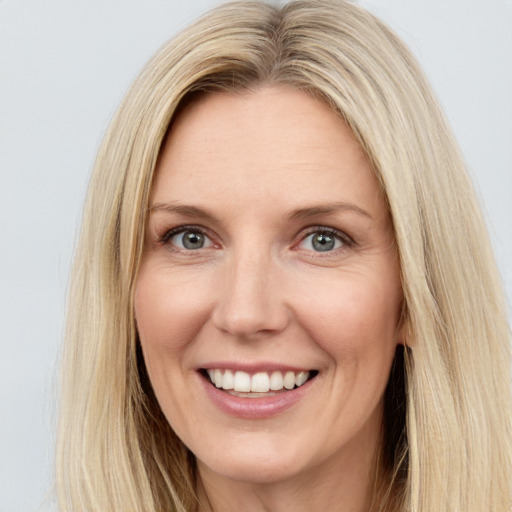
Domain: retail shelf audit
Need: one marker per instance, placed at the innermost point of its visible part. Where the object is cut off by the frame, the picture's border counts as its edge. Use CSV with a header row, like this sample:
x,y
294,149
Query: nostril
x,y
250,302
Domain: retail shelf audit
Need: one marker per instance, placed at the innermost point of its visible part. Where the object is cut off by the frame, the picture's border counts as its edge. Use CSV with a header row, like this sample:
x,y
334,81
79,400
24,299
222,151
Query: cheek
x,y
169,310
167,313
354,313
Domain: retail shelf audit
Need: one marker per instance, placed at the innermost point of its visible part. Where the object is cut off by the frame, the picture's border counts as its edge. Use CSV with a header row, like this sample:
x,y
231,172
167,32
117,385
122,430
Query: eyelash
x,y
167,235
346,241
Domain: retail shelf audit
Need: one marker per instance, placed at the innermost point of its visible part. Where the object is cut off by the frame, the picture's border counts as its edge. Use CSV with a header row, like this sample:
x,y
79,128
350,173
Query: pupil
x,y
193,240
323,242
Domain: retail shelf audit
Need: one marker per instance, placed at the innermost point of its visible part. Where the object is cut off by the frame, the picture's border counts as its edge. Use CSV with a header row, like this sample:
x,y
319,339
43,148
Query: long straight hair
x,y
449,446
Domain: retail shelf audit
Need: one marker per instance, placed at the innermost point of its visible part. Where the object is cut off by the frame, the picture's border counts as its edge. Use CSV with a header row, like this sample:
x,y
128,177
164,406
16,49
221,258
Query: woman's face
x,y
269,261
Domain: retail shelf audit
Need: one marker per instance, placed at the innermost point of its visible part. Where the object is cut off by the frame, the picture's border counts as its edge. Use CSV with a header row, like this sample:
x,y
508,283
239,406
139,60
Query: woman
x,y
283,297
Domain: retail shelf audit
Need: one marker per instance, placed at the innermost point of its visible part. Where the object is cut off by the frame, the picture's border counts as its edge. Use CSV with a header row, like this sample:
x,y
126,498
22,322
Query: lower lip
x,y
255,408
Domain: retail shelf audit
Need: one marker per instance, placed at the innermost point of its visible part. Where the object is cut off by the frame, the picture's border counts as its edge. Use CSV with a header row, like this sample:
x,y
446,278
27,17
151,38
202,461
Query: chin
x,y
259,466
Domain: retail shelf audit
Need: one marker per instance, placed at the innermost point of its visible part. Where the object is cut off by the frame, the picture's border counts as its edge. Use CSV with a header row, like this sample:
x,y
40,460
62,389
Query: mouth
x,y
256,385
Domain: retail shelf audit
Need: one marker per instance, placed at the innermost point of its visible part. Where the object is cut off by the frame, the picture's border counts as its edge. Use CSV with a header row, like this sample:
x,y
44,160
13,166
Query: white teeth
x,y
300,378
276,381
261,382
228,381
218,378
289,380
242,382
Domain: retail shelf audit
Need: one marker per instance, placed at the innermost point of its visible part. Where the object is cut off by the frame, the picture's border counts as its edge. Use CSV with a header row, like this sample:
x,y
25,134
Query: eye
x,y
188,239
324,240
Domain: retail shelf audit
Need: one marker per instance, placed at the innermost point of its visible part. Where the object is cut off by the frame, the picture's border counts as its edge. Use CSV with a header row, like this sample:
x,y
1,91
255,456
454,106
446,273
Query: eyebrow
x,y
328,209
182,209
297,214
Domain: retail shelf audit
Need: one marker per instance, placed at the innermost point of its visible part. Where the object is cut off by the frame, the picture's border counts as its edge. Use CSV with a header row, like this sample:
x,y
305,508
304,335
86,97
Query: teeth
x,y
242,382
261,382
289,380
217,378
228,380
301,378
276,381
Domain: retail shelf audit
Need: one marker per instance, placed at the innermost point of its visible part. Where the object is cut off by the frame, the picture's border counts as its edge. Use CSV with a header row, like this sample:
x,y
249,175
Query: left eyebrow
x,y
314,211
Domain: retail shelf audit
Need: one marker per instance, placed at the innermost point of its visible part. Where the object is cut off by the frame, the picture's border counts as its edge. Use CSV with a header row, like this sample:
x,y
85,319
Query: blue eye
x,y
323,241
189,240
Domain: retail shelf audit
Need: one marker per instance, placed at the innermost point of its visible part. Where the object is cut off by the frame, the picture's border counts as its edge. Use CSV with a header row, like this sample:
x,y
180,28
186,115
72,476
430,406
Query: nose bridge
x,y
250,300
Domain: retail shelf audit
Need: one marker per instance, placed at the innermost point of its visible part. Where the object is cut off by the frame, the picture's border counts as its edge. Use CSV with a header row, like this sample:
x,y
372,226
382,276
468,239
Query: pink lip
x,y
252,367
254,408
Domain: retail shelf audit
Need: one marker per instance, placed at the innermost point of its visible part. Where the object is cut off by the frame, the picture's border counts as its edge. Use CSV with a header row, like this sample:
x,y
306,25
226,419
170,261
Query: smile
x,y
260,384
256,393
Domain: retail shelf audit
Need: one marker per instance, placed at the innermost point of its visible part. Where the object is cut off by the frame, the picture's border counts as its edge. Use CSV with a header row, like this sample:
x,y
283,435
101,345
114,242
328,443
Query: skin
x,y
258,290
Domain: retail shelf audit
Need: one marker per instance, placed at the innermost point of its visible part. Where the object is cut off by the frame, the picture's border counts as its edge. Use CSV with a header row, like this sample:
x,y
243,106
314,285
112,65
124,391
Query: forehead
x,y
272,144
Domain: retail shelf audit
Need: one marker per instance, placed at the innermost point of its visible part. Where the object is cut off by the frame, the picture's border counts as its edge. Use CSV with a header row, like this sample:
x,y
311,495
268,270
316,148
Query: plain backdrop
x,y
64,65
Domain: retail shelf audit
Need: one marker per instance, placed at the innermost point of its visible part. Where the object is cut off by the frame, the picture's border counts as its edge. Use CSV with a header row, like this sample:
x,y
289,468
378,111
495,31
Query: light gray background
x,y
64,66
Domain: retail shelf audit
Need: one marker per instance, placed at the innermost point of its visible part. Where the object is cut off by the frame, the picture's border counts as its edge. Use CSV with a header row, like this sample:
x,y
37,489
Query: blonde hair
x,y
451,451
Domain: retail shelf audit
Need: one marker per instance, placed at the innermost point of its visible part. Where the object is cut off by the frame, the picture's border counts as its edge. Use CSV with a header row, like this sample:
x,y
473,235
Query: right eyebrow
x,y
182,209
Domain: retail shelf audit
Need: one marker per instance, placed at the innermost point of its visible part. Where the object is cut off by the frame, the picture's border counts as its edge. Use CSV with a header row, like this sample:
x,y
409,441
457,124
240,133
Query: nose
x,y
250,298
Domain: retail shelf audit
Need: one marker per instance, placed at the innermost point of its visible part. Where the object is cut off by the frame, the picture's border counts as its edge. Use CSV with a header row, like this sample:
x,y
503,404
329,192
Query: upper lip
x,y
253,367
